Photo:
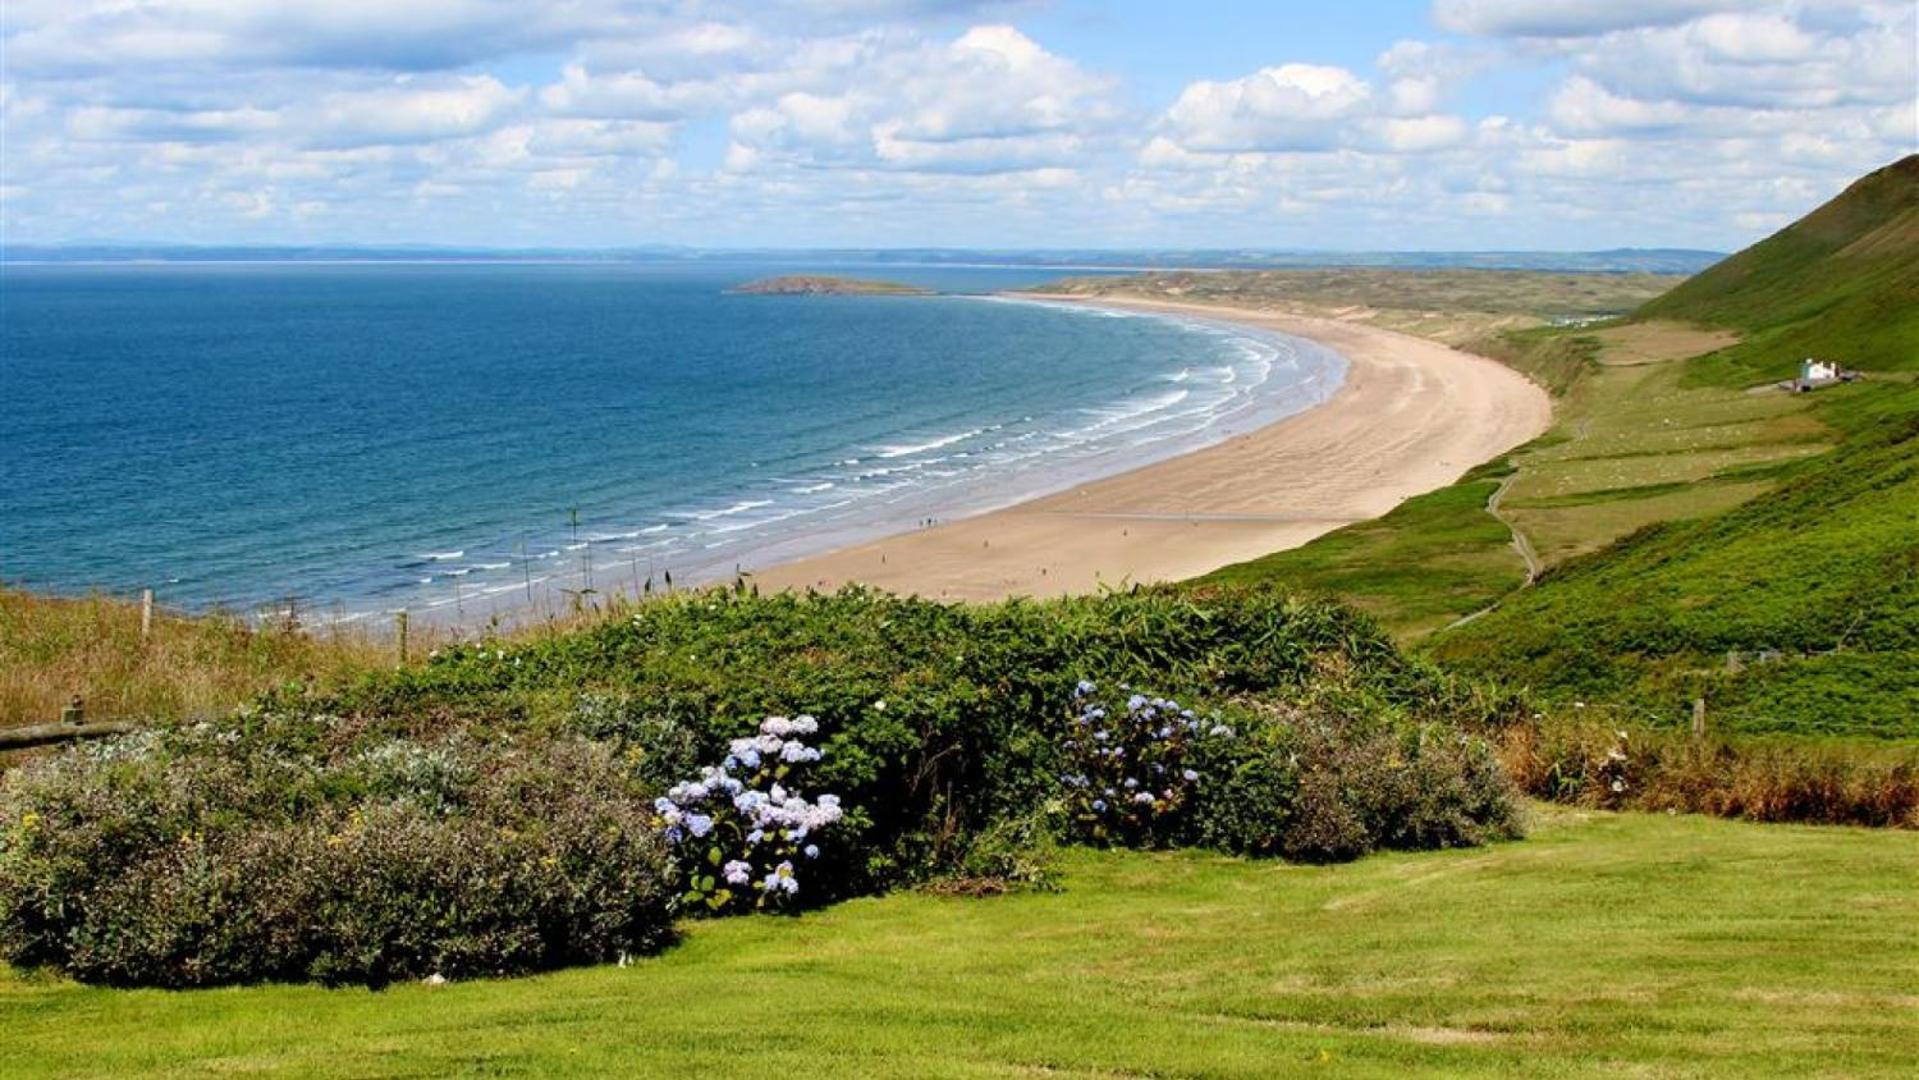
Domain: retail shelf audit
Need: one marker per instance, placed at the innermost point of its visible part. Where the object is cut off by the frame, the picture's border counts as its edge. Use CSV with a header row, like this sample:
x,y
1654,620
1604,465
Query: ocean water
x,y
454,439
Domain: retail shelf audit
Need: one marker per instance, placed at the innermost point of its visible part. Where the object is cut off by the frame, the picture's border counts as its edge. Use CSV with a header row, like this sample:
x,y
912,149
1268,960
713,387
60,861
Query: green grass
x,y
1631,446
1605,944
1823,571
1434,558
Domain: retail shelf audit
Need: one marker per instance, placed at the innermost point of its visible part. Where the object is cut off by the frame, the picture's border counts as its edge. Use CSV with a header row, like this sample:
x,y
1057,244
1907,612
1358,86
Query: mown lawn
x,y
1643,944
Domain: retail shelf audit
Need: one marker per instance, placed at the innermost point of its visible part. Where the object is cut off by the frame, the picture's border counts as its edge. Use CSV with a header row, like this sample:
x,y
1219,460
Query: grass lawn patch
x,y
1605,943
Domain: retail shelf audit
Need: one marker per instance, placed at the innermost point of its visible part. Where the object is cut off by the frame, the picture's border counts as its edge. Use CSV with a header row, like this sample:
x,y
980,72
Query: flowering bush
x,y
743,828
1129,767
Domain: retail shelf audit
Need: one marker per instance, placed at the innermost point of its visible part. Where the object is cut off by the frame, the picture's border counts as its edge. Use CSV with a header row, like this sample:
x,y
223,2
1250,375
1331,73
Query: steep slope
x,y
1842,282
1799,610
1795,612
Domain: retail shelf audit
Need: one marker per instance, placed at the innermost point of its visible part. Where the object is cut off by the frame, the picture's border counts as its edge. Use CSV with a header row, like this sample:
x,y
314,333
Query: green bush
x,y
934,717
198,856
510,808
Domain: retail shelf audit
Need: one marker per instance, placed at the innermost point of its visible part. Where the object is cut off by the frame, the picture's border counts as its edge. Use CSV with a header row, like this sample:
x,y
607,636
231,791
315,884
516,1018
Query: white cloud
x,y
102,36
924,121
1291,107
992,100
410,110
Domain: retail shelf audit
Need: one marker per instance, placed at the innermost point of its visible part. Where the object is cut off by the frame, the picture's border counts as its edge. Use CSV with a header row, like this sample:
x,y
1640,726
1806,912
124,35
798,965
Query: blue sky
x,y
1366,124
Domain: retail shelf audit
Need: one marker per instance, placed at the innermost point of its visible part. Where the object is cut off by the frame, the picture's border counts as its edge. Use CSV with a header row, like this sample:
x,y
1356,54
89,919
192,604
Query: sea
x,y
457,440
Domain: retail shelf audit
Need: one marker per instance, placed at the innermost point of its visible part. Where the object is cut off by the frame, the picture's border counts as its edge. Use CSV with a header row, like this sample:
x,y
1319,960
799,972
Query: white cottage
x,y
1813,372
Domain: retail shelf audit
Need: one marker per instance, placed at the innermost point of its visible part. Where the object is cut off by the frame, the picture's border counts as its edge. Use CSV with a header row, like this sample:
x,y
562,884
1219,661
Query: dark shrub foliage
x,y
195,857
495,811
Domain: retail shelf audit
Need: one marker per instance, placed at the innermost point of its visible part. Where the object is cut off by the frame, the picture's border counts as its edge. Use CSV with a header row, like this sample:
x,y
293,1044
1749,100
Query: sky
x,y
1238,124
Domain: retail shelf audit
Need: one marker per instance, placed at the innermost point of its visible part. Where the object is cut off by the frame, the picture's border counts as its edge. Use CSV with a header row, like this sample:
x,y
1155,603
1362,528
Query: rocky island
x,y
820,285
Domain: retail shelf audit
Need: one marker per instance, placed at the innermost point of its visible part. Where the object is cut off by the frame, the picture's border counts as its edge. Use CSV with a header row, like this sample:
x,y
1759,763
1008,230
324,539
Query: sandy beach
x,y
1411,416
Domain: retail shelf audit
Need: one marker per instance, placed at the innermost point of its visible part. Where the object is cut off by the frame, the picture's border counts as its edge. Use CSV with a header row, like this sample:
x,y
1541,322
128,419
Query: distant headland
x,y
818,285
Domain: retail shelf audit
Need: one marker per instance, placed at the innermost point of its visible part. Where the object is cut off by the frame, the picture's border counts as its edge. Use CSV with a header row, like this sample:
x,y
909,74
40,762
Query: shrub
x,y
935,717
1009,855
1128,775
1314,784
199,856
495,811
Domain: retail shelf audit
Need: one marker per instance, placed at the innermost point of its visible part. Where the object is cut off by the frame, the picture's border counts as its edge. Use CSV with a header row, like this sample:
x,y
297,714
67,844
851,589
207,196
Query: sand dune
x,y
1412,416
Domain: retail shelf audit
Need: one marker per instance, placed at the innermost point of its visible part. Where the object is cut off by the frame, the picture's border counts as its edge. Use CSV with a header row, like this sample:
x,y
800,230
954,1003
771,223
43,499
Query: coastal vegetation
x,y
54,649
508,807
1451,306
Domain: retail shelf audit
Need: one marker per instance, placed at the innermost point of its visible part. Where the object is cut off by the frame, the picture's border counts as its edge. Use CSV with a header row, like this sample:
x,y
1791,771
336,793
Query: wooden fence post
x,y
1698,718
146,614
399,629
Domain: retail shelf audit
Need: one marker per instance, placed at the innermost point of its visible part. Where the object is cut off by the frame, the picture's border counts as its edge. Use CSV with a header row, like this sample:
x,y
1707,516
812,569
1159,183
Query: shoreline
x,y
1410,416
763,558
1407,416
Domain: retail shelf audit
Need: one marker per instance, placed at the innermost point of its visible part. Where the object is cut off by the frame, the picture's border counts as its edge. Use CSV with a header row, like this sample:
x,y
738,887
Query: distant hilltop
x,y
815,285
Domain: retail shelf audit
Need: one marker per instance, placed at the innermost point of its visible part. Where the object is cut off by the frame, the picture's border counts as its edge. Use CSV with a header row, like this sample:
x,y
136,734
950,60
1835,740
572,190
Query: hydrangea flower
x,y
750,807
1133,773
781,880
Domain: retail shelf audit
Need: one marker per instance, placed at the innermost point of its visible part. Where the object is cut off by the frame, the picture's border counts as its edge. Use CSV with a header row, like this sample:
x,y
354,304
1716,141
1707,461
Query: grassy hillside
x,y
1681,515
1433,559
1814,586
1840,283
1604,944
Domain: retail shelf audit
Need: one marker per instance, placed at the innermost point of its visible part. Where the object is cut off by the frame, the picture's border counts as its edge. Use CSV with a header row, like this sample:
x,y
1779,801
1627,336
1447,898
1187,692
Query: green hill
x,y
1797,611
1840,283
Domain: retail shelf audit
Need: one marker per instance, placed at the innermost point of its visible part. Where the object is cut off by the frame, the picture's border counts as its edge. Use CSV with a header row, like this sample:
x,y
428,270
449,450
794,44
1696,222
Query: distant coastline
x,y
110,252
826,285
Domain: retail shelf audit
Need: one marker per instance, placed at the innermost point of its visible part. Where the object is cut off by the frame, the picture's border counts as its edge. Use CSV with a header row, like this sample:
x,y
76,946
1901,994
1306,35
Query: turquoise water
x,y
450,439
